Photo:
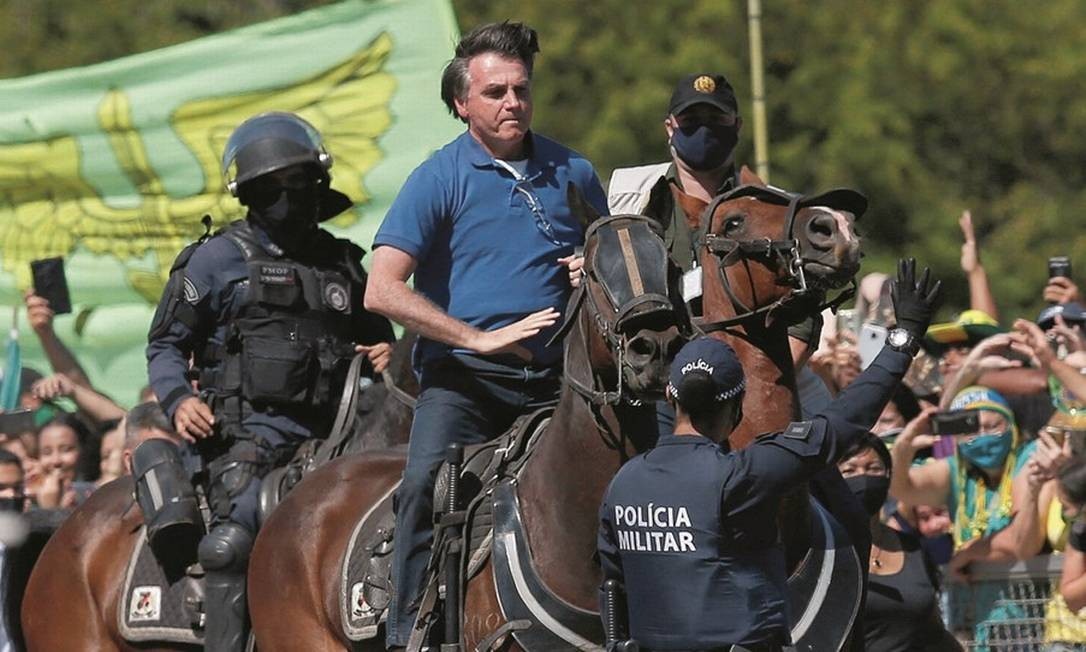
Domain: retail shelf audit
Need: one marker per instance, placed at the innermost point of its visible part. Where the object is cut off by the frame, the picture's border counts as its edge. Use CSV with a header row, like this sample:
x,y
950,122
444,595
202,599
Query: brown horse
x,y
623,327
753,288
294,599
74,592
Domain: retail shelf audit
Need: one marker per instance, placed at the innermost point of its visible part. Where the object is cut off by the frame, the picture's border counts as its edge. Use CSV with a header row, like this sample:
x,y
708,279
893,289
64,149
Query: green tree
x,y
928,107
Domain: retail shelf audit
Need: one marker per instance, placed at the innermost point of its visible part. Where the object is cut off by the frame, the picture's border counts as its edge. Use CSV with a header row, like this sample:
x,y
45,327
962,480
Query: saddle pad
x,y
361,619
153,607
824,592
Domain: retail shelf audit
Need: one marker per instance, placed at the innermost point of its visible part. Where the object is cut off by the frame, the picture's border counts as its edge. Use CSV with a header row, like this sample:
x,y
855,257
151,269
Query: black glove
x,y
1076,538
914,302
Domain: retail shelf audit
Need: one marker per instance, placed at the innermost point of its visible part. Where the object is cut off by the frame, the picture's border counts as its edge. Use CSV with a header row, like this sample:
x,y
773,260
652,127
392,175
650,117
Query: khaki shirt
x,y
628,194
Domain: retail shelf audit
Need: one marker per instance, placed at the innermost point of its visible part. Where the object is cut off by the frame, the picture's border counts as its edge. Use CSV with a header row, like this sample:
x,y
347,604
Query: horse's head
x,y
629,319
775,251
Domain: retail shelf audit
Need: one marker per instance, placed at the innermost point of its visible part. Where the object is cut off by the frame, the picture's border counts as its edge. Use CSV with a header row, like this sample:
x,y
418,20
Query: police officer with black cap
x,y
270,312
702,128
688,526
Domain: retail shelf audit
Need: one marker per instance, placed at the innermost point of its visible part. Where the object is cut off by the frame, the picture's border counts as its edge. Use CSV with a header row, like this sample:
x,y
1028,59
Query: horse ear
x,y
692,206
579,206
747,177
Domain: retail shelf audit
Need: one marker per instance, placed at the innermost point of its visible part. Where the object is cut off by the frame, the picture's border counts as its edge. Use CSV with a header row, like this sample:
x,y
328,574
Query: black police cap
x,y
703,88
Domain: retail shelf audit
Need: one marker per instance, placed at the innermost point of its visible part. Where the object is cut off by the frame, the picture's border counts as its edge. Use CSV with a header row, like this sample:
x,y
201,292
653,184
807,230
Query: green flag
x,y
13,366
112,166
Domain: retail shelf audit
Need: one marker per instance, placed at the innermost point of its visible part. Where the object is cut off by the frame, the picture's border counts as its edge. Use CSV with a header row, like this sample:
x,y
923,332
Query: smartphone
x,y
1056,433
869,343
956,422
1059,266
16,422
51,284
1078,441
846,321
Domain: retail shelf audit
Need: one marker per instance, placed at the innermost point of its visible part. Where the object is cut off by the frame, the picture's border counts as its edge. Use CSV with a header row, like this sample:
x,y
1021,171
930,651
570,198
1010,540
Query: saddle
x,y
365,586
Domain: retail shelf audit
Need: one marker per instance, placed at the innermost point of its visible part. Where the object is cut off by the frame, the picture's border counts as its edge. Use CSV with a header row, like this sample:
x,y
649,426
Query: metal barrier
x,y
1013,607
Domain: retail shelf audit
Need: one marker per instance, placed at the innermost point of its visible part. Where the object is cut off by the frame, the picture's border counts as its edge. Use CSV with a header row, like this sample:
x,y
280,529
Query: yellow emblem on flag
x,y
48,209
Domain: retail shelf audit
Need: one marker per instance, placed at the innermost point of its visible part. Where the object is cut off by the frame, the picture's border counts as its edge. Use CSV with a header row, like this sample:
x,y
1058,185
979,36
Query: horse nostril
x,y
821,231
641,347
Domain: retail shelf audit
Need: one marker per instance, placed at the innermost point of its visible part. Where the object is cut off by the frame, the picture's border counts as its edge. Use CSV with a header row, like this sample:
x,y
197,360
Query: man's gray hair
x,y
145,416
511,40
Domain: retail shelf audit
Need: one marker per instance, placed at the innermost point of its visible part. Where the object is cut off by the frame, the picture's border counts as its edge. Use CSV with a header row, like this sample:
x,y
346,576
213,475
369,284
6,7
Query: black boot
x,y
224,554
227,626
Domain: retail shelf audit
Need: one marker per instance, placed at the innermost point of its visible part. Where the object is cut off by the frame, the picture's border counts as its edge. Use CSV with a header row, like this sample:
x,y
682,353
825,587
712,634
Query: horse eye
x,y
732,223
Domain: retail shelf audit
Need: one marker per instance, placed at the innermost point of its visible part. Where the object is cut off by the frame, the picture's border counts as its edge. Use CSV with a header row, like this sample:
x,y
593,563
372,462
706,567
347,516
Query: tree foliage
x,y
929,107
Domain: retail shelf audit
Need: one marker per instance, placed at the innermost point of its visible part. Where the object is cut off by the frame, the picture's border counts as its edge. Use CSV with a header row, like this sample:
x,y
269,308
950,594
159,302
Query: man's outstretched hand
x,y
507,338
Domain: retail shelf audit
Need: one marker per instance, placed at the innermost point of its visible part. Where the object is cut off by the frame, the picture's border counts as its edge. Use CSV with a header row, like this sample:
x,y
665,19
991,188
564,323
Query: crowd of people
x,y
1005,483
979,455
72,439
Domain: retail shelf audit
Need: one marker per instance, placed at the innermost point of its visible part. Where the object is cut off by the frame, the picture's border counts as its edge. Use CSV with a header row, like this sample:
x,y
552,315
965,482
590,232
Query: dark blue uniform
x,y
216,286
690,528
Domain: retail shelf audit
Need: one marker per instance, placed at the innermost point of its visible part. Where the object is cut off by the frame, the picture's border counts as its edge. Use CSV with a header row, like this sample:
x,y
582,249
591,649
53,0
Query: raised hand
x,y
916,435
970,254
1030,340
915,301
53,387
1061,289
38,312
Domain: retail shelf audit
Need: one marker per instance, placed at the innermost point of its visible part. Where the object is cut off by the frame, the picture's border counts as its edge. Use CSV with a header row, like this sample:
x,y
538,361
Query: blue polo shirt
x,y
484,255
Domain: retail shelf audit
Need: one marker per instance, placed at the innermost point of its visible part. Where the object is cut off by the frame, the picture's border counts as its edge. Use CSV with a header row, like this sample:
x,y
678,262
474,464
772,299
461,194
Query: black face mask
x,y
289,215
870,490
704,147
12,504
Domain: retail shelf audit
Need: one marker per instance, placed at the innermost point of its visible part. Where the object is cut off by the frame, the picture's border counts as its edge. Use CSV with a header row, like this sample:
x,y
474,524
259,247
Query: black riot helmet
x,y
273,141
269,142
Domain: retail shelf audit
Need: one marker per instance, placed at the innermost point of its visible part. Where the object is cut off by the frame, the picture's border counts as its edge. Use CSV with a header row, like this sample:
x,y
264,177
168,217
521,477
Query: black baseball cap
x,y
703,88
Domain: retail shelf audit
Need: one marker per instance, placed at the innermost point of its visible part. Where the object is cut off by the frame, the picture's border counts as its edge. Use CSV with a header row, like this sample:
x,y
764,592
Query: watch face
x,y
898,338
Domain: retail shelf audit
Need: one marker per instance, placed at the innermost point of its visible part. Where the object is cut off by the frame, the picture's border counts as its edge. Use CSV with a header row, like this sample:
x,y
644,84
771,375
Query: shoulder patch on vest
x,y
798,430
191,295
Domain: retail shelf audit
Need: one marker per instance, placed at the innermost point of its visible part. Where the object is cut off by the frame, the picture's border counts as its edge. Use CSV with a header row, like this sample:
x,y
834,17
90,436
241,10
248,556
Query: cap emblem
x,y
704,84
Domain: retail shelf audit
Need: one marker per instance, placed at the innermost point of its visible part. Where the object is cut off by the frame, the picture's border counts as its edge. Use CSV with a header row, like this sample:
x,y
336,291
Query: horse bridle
x,y
786,251
611,319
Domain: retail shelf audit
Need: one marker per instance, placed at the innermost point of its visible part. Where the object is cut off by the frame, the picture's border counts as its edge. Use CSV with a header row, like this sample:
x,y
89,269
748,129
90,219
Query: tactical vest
x,y
293,338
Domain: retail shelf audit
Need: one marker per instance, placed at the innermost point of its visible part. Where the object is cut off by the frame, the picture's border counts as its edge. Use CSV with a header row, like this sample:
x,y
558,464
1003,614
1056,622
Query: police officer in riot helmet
x,y
688,526
269,311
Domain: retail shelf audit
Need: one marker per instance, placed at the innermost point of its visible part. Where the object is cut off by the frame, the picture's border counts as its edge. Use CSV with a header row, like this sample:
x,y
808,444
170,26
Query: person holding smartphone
x,y
983,483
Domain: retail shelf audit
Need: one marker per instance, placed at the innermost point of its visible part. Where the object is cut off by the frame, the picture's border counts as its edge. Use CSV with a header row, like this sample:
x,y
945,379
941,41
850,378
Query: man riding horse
x,y
485,227
269,311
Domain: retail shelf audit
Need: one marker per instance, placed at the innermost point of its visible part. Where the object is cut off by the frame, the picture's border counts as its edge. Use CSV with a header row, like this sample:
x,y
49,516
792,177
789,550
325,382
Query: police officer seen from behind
x,y
269,311
486,230
688,526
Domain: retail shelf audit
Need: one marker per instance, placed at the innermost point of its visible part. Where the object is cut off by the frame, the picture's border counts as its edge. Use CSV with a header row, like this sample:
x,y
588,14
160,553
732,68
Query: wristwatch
x,y
902,340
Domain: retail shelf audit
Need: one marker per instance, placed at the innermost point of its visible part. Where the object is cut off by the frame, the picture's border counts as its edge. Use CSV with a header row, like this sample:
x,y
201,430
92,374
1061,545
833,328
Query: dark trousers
x,y
240,484
463,399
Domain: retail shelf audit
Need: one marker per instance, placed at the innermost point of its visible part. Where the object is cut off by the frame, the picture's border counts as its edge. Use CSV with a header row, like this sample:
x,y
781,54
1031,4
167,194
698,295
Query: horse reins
x,y
610,329
729,251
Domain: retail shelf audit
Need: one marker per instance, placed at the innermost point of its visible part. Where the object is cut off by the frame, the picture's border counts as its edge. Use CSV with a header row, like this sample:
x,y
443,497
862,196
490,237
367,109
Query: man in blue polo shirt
x,y
485,228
